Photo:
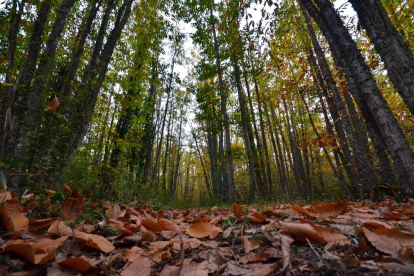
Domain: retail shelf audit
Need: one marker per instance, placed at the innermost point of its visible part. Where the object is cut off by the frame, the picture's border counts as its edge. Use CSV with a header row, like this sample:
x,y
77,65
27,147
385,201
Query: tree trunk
x,y
365,91
231,185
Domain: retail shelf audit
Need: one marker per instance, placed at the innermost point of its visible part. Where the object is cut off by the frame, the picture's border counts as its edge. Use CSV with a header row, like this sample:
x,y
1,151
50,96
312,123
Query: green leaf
x,y
59,196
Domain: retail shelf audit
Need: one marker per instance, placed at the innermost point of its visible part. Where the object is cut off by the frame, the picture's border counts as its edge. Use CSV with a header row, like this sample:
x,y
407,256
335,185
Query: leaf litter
x,y
96,238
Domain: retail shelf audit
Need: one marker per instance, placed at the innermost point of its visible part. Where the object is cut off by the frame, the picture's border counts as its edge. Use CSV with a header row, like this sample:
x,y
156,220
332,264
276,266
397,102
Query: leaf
x,y
72,207
390,241
203,229
41,223
272,226
142,268
5,196
160,225
59,228
329,210
237,211
94,241
307,230
53,104
59,196
37,253
261,257
253,219
79,264
13,218
286,254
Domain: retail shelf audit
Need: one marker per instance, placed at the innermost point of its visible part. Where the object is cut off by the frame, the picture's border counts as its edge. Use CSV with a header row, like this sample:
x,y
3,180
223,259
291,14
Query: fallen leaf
x,y
59,228
94,241
237,211
141,267
261,257
72,206
79,264
53,104
203,229
160,225
307,230
41,223
249,245
37,253
13,218
390,241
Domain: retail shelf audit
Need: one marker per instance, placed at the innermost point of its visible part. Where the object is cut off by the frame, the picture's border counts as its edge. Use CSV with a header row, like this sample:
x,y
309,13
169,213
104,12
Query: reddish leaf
x,y
160,225
72,206
53,104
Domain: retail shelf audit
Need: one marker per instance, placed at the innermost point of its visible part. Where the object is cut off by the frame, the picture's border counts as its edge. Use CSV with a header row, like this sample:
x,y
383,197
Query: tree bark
x,y
365,91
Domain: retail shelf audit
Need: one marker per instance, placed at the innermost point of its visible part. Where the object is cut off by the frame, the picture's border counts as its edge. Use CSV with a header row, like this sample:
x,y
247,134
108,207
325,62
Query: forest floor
x,y
62,234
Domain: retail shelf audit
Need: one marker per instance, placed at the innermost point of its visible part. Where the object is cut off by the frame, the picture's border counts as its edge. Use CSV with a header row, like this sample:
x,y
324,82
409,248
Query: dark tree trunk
x,y
389,44
365,91
232,187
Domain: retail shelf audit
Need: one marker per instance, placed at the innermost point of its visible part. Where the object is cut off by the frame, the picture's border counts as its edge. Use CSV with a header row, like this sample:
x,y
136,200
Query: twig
x,y
2,245
316,253
182,253
282,271
167,261
234,255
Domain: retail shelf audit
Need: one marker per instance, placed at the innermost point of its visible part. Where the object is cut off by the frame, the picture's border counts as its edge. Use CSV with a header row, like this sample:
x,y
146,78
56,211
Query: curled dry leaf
x,y
272,226
252,219
94,241
286,255
390,241
37,253
13,218
67,190
79,264
72,206
159,214
5,196
261,257
307,230
41,223
203,229
249,245
160,225
329,210
53,104
237,210
59,228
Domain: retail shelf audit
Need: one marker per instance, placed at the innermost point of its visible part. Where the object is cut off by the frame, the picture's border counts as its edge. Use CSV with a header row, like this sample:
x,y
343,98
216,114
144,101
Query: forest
x,y
198,102
206,137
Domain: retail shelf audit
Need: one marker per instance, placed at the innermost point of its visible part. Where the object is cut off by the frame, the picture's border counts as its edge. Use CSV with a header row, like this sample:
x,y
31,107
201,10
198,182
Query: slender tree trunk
x,y
245,133
365,91
232,187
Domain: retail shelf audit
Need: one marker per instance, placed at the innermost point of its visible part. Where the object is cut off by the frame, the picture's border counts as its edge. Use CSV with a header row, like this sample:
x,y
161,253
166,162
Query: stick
x,y
167,261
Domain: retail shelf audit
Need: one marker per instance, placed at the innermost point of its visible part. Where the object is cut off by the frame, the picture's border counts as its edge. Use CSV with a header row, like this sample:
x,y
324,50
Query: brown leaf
x,y
306,229
203,229
328,210
160,214
53,104
137,253
41,223
237,211
72,206
261,257
59,228
79,264
13,218
141,267
160,225
94,241
67,190
286,255
5,196
249,245
263,269
272,226
253,219
37,253
390,241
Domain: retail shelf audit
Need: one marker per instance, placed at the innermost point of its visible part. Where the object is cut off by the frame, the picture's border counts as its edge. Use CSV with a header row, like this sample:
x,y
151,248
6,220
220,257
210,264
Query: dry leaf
x,y
203,229
160,225
237,211
79,264
72,206
307,230
261,257
94,241
59,228
13,218
41,223
53,104
249,245
390,240
141,267
5,196
37,253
